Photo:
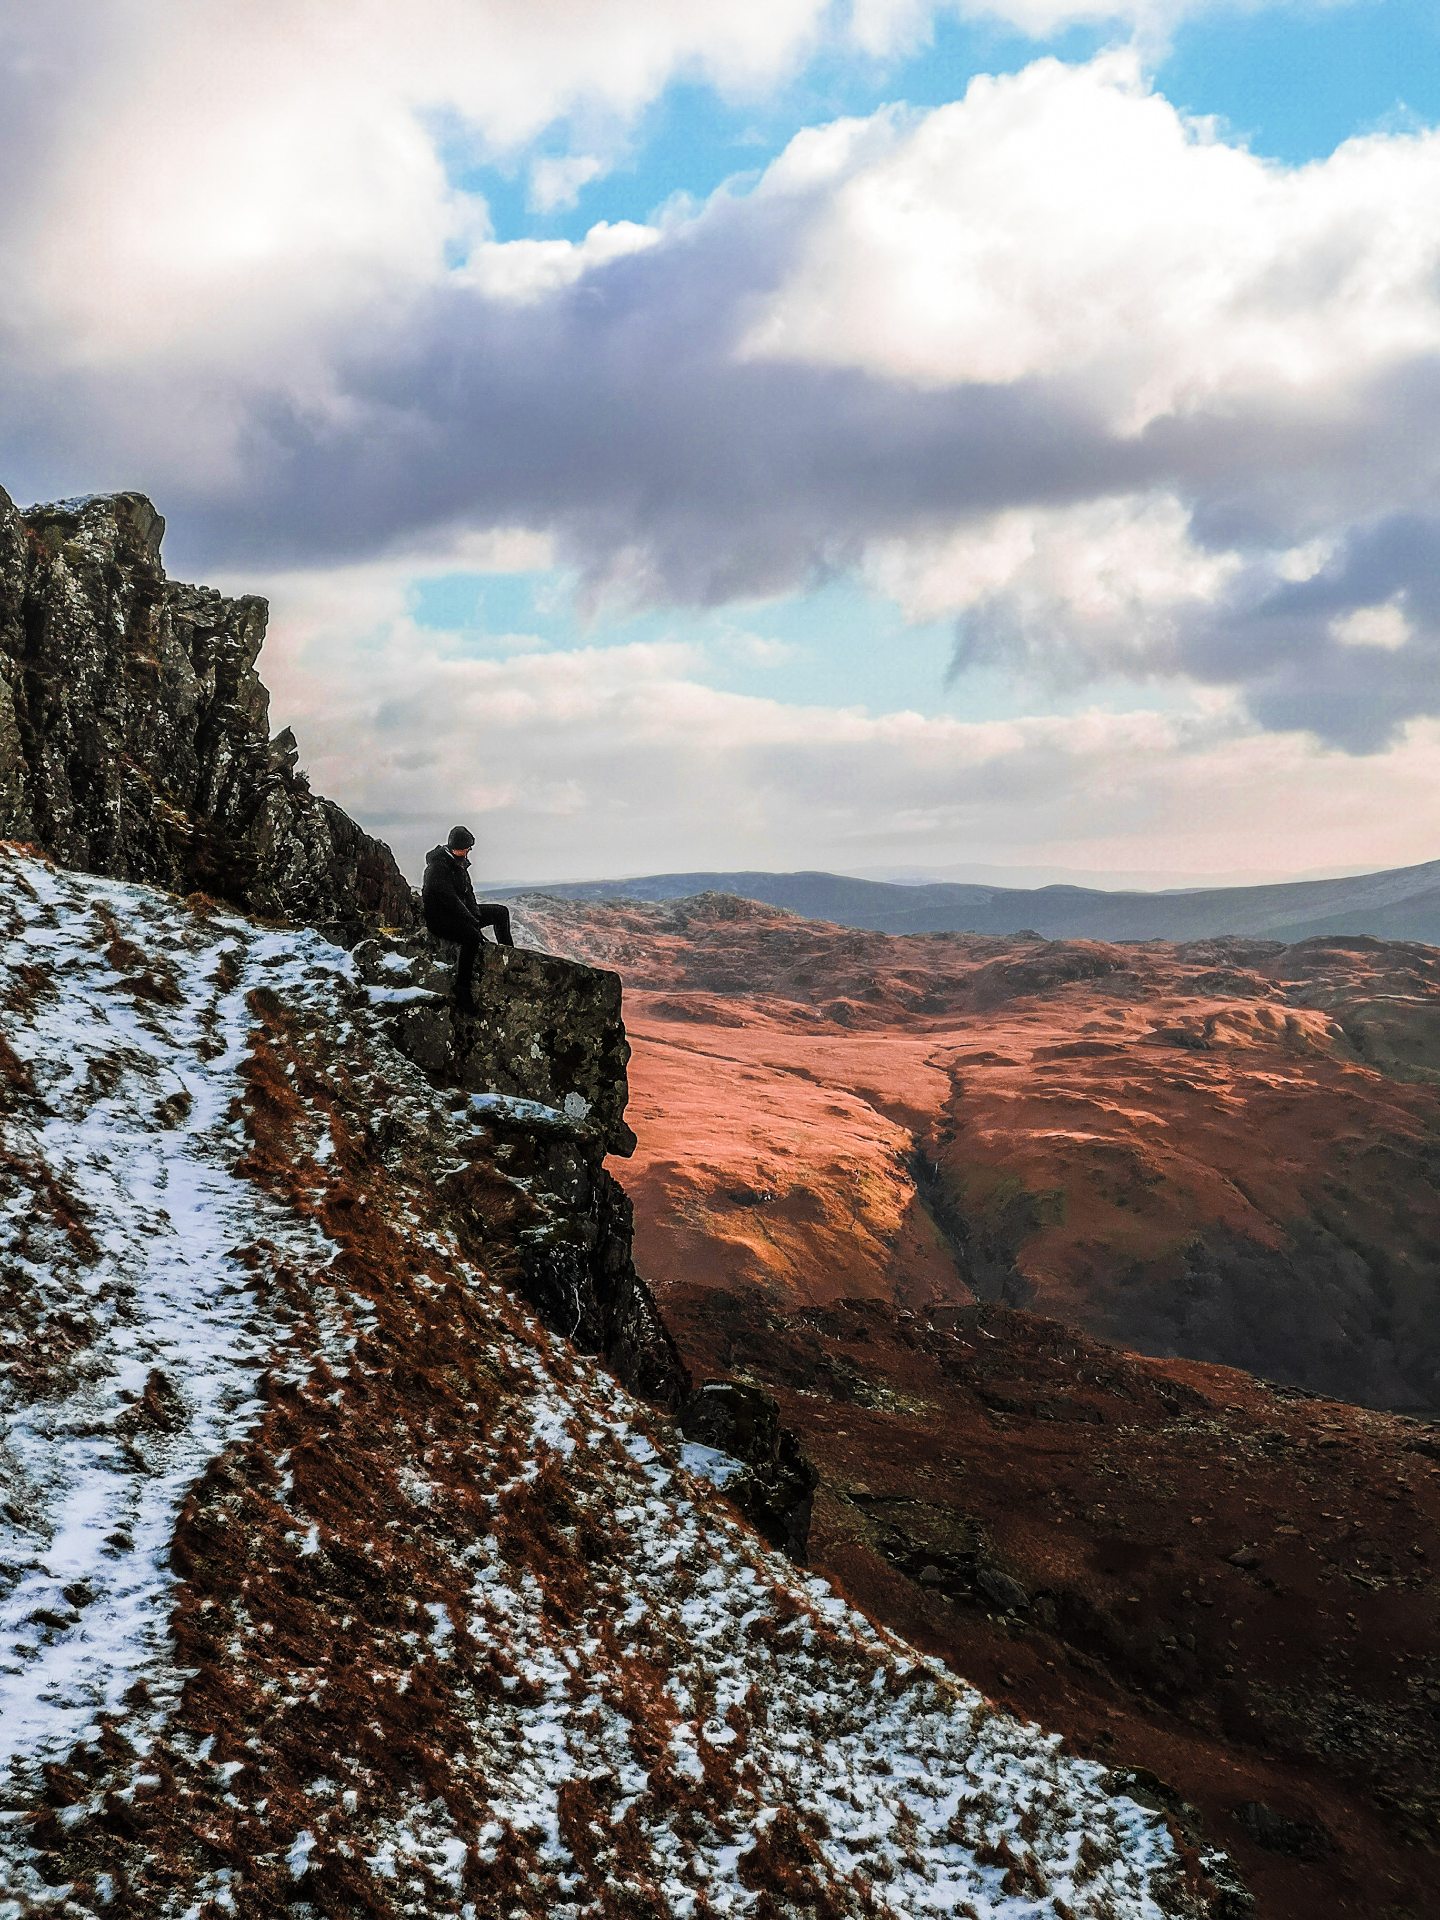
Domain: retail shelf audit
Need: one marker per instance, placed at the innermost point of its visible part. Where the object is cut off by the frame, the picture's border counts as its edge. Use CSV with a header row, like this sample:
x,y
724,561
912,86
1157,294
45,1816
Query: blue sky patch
x,y
1292,81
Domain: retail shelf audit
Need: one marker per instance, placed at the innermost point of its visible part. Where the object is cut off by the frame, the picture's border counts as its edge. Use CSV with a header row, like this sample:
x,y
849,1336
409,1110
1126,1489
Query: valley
x,y
999,1223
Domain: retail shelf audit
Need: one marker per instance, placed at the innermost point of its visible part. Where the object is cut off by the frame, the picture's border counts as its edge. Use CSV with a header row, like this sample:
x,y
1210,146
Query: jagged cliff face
x,y
333,1581
134,730
134,743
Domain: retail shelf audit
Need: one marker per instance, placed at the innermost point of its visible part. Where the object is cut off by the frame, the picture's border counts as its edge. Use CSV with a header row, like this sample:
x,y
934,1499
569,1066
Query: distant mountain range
x,y
1402,903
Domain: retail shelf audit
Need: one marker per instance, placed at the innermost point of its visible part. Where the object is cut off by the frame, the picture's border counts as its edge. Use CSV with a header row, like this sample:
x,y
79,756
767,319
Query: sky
x,y
956,435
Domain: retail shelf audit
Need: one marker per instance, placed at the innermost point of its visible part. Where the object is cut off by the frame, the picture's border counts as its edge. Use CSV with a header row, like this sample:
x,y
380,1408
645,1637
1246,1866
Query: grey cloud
x,y
1278,641
615,413
1275,473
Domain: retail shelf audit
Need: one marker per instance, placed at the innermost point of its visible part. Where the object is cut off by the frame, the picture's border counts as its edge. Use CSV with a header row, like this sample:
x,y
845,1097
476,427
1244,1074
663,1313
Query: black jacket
x,y
446,895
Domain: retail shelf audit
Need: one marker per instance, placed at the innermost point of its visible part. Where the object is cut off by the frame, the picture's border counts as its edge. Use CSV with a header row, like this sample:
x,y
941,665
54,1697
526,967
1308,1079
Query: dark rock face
x,y
134,742
134,730
776,1490
566,1242
1304,1839
547,1030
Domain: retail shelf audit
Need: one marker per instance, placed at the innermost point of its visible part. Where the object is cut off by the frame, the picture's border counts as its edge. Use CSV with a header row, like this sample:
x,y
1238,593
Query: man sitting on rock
x,y
447,899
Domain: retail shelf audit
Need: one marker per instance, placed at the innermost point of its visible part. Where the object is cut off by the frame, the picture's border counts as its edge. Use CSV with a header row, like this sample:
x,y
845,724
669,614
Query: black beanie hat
x,y
460,837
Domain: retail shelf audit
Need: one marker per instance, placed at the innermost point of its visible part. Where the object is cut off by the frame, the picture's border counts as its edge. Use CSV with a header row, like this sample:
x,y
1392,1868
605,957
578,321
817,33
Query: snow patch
x,y
401,996
510,1106
709,1463
677,1653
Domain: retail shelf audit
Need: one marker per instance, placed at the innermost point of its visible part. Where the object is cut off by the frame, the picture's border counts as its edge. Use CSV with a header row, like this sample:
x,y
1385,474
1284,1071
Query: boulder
x,y
540,1070
776,1487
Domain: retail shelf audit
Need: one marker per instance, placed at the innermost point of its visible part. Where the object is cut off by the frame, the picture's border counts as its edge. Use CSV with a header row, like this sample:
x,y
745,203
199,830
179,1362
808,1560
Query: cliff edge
x,y
135,745
335,1578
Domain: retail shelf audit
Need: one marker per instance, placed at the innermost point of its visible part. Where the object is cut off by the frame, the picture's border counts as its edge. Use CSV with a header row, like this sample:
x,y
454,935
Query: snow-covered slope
x,y
331,1583
134,1339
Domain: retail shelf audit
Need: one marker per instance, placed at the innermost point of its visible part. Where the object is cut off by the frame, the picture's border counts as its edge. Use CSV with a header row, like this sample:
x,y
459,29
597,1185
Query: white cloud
x,y
600,761
521,272
224,184
556,180
210,177
1068,224
1384,626
1116,394
1099,582
1066,239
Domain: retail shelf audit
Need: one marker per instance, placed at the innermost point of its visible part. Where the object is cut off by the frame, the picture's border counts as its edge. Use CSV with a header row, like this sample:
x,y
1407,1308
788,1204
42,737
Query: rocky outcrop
x,y
135,743
134,730
547,1030
331,1583
775,1487
540,1074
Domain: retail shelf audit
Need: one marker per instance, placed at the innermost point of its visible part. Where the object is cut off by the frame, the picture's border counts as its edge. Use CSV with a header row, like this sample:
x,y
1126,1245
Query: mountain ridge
x,y
1401,903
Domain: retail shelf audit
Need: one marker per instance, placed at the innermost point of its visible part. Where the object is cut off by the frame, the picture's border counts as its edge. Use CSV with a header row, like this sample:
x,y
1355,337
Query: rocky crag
x,y
135,743
336,1577
134,737
545,1060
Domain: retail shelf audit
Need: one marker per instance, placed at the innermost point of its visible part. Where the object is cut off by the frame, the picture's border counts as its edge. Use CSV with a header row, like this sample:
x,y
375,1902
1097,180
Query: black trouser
x,y
466,933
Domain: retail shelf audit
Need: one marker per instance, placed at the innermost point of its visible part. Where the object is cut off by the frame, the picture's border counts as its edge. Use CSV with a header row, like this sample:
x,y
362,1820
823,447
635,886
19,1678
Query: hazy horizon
x,y
1017,878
